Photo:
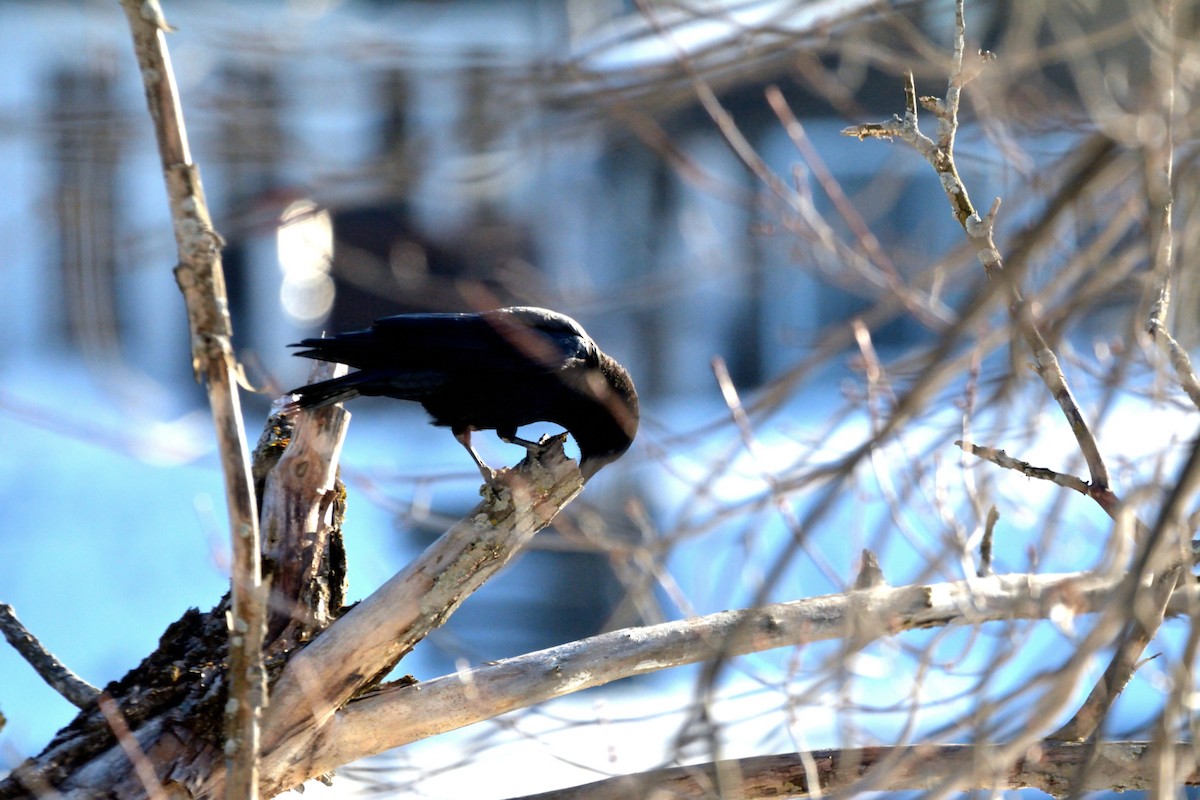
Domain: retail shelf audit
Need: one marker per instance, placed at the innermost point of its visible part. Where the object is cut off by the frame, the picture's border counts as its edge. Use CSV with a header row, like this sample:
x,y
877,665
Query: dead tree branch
x,y
302,547
60,678
402,714
362,647
171,721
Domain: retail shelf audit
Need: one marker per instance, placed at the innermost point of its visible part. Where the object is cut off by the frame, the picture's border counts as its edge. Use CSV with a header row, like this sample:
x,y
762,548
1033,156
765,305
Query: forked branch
x,y
980,231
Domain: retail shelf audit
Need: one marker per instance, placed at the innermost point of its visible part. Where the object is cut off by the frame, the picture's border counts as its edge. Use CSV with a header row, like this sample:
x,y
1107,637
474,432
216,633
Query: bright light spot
x,y
305,301
304,241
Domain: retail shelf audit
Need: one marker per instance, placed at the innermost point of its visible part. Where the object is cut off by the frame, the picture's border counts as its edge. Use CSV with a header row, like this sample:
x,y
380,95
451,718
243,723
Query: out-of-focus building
x,y
369,158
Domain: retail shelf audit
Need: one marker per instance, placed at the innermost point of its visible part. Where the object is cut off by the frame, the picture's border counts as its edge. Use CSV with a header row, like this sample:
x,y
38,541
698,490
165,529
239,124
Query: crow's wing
x,y
504,341
415,386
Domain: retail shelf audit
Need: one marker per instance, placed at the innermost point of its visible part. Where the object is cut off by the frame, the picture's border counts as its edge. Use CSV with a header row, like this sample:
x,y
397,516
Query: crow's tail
x,y
355,349
324,393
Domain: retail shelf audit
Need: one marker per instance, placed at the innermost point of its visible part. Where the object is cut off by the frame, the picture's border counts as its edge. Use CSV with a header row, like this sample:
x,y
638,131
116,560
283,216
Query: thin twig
x,y
924,308
985,546
1162,201
201,279
75,689
132,749
1003,459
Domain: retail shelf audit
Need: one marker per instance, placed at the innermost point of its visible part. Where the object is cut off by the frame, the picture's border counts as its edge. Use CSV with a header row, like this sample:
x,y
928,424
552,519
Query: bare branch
x,y
985,545
1003,459
201,279
75,689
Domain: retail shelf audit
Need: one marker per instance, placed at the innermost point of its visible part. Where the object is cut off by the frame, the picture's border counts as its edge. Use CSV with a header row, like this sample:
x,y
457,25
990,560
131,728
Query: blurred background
x,y
673,175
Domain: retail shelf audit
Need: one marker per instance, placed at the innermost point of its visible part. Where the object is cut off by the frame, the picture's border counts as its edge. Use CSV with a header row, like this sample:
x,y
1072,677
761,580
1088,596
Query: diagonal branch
x,y
1003,459
363,646
397,715
75,689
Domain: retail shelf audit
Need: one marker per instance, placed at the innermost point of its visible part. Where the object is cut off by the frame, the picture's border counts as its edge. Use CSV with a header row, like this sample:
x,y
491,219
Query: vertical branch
x,y
202,282
1160,178
299,527
1161,159
1166,539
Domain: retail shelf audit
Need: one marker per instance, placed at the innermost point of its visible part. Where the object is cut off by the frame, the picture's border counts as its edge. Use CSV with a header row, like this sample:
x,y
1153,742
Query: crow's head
x,y
607,421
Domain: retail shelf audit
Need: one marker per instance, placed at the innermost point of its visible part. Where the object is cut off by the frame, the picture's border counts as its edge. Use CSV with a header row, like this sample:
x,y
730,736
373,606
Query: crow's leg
x,y
463,435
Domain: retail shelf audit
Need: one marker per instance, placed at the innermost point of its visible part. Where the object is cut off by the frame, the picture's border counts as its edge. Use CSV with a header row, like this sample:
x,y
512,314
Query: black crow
x,y
497,370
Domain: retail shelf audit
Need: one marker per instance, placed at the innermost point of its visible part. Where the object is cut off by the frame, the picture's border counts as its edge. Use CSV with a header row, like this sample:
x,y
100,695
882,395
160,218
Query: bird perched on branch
x,y
496,370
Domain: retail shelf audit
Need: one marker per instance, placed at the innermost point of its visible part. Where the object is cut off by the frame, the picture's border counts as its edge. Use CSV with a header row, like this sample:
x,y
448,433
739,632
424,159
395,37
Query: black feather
x,y
497,370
